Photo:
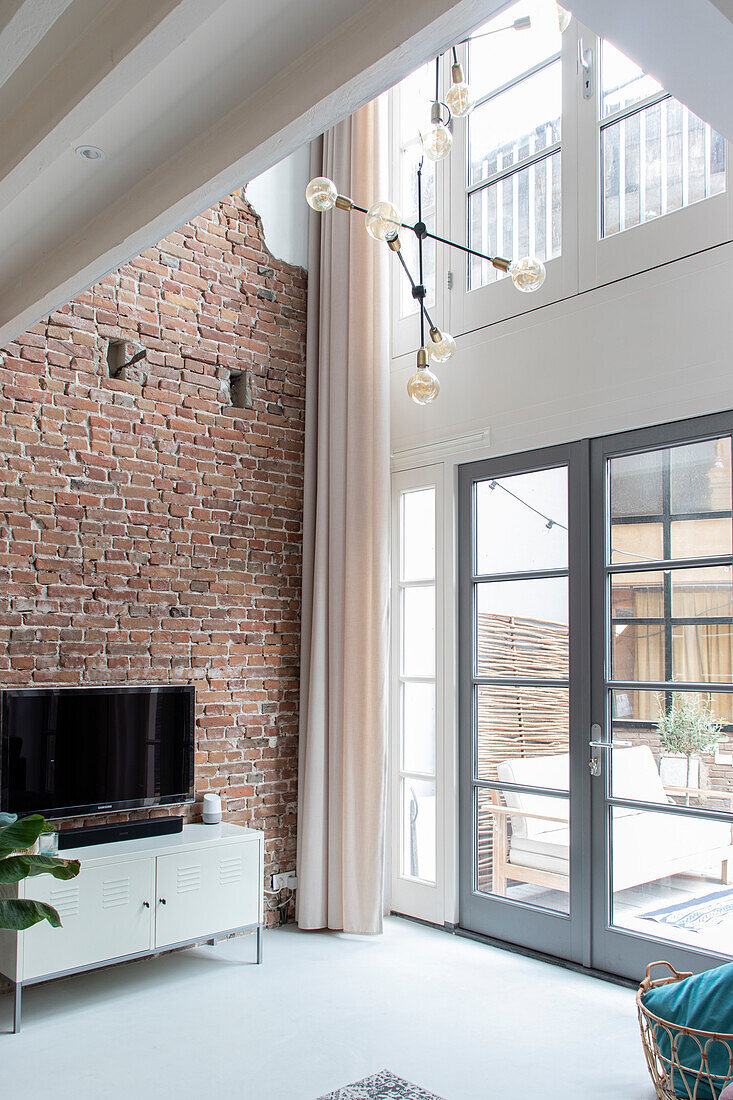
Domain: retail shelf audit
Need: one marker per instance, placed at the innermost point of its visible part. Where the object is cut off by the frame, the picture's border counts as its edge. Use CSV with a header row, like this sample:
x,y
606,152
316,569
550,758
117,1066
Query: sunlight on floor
x,y
685,909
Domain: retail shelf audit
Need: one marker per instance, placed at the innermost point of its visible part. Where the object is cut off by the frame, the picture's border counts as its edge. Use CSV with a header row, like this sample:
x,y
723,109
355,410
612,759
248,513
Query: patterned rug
x,y
696,914
382,1086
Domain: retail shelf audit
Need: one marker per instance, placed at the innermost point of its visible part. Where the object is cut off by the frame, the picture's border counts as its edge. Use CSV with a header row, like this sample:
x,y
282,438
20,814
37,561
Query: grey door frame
x,y
563,935
585,936
625,952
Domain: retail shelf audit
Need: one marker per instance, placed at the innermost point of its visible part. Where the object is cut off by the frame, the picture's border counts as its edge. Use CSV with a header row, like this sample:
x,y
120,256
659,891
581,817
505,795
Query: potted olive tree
x,y
18,861
686,729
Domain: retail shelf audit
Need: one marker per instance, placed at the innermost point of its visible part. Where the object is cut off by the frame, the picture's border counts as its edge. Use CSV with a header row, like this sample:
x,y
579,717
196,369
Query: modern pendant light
x,y
424,386
458,98
563,18
384,222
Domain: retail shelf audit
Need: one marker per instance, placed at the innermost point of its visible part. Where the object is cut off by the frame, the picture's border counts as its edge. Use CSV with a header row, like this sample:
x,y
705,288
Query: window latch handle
x,y
585,61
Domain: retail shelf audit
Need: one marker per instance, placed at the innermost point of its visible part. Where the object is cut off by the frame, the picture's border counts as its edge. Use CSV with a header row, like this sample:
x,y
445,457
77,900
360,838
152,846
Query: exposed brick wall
x,y
149,532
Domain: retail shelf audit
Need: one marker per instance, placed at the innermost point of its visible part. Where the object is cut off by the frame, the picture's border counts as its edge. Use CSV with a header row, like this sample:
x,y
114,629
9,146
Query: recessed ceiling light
x,y
89,152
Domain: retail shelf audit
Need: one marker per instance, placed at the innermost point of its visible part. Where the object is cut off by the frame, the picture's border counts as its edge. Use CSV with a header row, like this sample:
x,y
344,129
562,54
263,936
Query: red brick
x,y
140,521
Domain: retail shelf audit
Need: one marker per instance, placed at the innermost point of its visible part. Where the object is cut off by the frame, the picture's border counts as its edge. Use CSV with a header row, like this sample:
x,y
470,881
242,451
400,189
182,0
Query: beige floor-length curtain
x,y
702,653
345,635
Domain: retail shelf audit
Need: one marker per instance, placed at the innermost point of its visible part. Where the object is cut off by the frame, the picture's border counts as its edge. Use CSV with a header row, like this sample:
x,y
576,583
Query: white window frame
x,y
405,331
587,261
416,897
497,301
680,233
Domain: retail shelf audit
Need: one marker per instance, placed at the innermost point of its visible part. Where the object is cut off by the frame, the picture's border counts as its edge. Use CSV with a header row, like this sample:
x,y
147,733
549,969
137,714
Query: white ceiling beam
x,y
23,23
357,60
125,40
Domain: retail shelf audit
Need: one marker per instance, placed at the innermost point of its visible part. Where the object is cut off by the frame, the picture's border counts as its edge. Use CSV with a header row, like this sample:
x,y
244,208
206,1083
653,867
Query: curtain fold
x,y
345,626
702,653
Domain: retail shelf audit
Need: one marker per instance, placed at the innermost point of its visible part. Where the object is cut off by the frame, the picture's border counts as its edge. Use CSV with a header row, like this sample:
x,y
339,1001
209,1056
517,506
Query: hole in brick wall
x,y
240,389
115,357
124,360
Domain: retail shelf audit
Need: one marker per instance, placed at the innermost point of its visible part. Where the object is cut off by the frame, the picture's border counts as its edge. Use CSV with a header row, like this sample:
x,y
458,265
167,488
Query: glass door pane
x,y
417,685
663,790
518,601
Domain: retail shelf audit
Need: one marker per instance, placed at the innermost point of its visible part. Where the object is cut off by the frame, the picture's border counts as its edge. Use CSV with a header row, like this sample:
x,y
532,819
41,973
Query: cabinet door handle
x,y
162,901
146,905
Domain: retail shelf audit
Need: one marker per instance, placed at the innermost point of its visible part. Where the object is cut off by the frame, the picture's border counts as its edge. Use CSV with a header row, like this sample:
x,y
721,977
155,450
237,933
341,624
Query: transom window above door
x,y
571,153
656,155
513,177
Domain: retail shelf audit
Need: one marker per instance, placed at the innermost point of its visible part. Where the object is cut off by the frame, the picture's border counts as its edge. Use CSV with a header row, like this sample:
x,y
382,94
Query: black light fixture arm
x,y
420,230
418,290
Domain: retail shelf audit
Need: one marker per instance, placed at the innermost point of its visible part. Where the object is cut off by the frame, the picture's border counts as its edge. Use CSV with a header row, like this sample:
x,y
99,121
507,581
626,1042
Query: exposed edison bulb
x,y
424,386
321,194
383,221
436,143
527,274
563,18
442,346
458,97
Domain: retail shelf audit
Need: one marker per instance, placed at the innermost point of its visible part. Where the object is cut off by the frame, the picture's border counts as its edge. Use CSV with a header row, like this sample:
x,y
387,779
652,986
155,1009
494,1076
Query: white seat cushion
x,y
535,771
635,775
645,846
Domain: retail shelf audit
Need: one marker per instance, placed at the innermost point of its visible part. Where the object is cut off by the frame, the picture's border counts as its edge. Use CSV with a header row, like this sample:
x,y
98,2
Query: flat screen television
x,y
68,751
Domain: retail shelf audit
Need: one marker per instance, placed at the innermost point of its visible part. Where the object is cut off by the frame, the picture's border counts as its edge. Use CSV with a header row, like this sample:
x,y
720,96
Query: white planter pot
x,y
677,772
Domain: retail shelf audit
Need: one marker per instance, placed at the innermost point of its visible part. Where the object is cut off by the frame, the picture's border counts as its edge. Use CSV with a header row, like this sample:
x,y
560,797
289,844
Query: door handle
x,y
161,901
146,905
585,61
598,747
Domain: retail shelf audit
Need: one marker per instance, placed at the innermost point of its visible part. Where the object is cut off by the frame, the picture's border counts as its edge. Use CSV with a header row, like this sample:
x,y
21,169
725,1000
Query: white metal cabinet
x,y
210,877
206,890
105,913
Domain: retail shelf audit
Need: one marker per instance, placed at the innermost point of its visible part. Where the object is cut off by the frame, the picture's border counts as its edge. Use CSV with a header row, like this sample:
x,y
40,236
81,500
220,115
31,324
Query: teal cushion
x,y
705,1003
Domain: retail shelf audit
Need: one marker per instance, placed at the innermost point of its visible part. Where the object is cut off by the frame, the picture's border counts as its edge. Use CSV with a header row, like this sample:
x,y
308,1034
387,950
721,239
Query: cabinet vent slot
x,y
65,899
115,893
230,870
188,879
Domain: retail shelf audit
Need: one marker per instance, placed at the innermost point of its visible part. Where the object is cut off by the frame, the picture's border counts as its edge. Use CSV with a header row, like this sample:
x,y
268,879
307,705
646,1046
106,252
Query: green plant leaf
x,y
17,914
21,835
686,725
16,868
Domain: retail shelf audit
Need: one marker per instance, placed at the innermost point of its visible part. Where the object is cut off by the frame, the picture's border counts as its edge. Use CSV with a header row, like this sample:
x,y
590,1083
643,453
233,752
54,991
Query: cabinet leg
x,y
259,943
17,991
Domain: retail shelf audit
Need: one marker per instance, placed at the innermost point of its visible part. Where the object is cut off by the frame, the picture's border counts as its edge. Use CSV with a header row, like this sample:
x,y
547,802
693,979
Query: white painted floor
x,y
463,1020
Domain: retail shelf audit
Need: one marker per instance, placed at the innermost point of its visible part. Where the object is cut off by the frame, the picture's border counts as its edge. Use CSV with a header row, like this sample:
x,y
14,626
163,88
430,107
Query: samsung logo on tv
x,y
105,806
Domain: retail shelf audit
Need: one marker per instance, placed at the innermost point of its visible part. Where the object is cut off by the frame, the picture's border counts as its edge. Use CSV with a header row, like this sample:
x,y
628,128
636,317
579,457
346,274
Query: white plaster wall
x,y
651,348
278,196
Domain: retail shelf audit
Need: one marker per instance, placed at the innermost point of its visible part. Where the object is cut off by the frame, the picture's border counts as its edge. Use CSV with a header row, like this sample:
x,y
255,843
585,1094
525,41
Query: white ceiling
x,y
191,98
188,98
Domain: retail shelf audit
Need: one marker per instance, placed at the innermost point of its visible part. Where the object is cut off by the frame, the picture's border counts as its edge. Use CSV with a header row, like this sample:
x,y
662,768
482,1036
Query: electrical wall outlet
x,y
287,880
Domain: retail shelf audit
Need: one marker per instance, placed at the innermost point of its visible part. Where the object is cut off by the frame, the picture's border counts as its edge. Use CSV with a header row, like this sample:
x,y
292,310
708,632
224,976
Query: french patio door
x,y
596,698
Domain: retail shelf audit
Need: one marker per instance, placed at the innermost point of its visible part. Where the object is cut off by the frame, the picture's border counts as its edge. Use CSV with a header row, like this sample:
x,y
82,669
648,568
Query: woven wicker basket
x,y
697,1082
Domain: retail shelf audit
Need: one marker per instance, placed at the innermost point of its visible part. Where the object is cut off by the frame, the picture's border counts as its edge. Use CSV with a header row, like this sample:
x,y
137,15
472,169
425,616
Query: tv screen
x,y
67,751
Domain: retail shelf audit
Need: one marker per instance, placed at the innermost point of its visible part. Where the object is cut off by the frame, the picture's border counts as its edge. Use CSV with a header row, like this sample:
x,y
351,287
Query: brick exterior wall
x,y
150,532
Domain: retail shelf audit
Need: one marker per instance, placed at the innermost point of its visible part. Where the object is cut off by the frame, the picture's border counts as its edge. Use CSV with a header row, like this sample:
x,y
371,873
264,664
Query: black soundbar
x,y
111,834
